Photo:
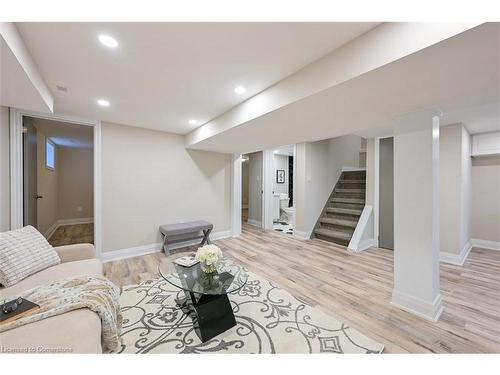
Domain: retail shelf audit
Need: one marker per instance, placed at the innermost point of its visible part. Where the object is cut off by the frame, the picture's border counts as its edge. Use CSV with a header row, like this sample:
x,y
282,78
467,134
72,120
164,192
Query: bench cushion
x,y
183,228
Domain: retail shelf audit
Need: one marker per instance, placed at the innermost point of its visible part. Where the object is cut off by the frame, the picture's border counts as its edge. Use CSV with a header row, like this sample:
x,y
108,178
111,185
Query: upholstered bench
x,y
179,232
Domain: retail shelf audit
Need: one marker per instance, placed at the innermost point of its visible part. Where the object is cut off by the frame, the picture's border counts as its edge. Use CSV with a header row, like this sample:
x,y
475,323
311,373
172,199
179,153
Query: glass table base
x,y
211,314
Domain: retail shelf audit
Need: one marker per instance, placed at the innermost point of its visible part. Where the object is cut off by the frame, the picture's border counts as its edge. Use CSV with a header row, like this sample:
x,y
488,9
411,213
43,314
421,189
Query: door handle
x,y
36,196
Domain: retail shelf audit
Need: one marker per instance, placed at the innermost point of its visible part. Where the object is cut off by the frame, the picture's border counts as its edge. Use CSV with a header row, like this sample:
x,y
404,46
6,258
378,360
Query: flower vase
x,y
208,268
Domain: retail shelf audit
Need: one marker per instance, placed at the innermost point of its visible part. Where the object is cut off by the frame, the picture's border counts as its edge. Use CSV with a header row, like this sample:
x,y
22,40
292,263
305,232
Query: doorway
x,y
283,208
386,193
58,180
252,189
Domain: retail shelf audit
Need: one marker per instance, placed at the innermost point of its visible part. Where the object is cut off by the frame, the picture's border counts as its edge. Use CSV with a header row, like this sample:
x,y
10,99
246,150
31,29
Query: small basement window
x,y
50,154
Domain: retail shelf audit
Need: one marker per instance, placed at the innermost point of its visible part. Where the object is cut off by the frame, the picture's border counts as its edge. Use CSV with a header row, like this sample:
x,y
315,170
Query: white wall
x,y
319,166
344,152
255,188
466,189
149,179
455,192
280,162
486,198
4,170
75,183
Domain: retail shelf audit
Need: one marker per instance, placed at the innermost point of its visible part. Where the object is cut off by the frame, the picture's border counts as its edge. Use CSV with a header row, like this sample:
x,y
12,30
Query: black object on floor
x,y
211,314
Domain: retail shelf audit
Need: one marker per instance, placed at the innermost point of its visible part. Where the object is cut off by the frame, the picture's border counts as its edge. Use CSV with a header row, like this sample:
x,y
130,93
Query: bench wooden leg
x,y
165,245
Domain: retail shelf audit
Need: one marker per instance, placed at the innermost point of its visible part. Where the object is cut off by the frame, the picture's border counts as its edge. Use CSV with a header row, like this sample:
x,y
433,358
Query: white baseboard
x,y
131,252
84,220
484,244
303,235
427,310
62,222
255,223
457,259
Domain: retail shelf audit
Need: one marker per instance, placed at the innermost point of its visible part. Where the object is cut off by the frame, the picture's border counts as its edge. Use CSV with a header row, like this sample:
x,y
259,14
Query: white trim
x,y
236,187
485,244
63,222
83,220
294,185
132,252
254,222
16,169
303,235
457,259
267,188
417,306
376,183
16,166
363,225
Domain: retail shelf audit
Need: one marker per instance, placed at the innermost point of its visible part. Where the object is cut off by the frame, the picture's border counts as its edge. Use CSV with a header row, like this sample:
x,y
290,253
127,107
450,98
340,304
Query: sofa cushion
x,y
24,252
87,267
77,331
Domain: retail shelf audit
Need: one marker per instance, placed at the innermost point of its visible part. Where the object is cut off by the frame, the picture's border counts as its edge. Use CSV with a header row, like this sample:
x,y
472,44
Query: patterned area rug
x,y
269,320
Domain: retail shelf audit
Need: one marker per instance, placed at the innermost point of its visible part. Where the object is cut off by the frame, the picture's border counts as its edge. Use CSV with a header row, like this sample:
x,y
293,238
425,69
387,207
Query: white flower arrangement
x,y
209,254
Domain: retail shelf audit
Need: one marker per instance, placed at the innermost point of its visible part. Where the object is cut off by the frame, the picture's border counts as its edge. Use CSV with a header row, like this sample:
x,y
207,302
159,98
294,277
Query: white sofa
x,y
77,331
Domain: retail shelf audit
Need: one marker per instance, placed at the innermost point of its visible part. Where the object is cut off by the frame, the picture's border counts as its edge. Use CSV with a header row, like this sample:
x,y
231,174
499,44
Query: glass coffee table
x,y
206,297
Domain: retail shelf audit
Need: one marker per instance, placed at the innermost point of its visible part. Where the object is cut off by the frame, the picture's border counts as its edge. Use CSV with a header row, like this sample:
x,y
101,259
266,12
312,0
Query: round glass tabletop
x,y
228,278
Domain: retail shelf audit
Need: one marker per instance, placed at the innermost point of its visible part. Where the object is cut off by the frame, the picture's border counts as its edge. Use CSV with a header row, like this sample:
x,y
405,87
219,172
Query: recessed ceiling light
x,y
108,41
103,102
192,122
240,90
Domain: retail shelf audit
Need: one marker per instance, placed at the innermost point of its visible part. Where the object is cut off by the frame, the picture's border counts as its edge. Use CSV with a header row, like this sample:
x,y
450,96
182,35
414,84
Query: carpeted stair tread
x,y
334,234
348,200
340,222
353,182
350,191
346,211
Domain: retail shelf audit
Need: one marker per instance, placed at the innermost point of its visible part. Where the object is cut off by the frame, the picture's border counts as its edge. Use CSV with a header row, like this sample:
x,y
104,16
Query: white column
x,y
299,191
236,195
416,222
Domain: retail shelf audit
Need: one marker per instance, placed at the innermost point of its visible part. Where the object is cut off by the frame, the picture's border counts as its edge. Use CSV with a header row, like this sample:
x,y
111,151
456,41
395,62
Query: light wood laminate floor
x,y
356,289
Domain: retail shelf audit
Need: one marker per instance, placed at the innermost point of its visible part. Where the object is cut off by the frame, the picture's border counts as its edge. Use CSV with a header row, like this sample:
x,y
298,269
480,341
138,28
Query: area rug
x,y
269,320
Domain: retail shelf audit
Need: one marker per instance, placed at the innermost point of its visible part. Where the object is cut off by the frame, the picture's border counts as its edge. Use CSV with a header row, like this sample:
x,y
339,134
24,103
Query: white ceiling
x,y
163,74
66,135
458,78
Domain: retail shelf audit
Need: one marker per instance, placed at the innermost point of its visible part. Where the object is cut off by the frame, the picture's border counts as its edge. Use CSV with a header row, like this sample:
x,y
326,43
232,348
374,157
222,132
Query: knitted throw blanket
x,y
95,293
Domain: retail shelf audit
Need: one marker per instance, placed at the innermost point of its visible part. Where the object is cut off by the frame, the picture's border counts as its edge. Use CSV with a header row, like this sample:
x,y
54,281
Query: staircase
x,y
343,209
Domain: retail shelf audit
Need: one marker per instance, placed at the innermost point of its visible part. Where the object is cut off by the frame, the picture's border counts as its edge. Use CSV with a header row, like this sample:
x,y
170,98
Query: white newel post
x,y
416,222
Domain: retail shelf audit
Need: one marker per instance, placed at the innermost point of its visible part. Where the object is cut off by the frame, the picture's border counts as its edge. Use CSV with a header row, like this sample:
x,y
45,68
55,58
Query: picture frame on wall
x,y
280,176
